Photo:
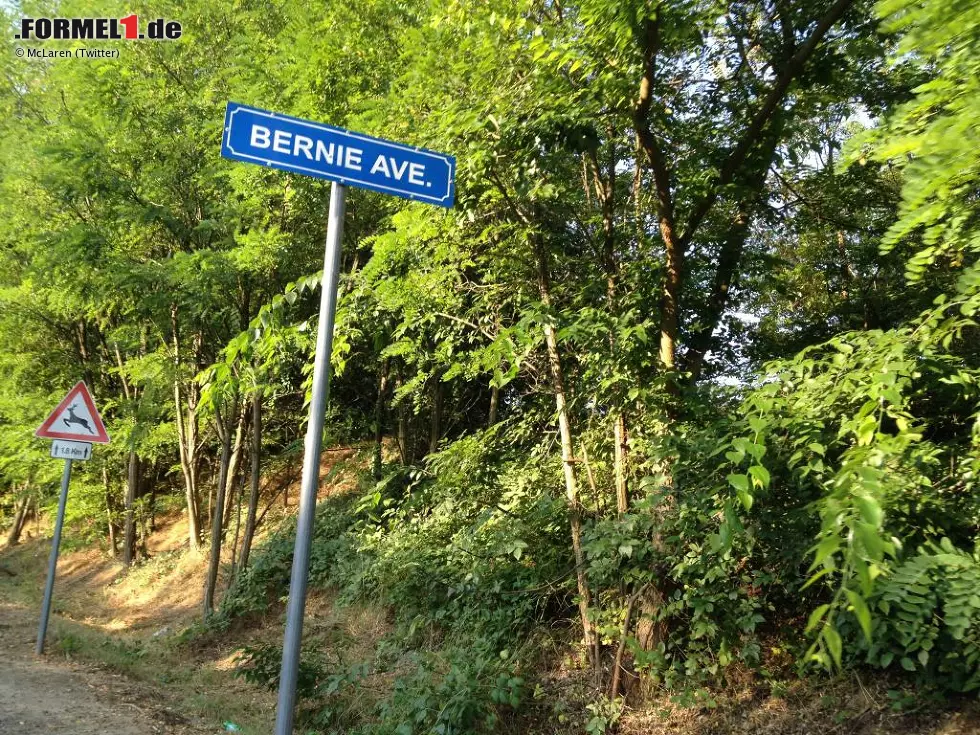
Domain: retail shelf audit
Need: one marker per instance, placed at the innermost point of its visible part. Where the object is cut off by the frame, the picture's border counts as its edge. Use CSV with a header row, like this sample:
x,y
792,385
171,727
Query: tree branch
x,y
641,120
762,117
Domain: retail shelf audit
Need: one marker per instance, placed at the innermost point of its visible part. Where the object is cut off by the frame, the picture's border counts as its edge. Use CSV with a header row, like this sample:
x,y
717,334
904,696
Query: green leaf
x,y
861,612
866,432
815,617
815,577
873,544
739,482
735,457
745,498
760,475
824,551
834,644
870,510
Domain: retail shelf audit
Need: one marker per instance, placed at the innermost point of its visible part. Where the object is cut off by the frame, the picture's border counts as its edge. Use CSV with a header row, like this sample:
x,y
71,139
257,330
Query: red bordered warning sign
x,y
76,418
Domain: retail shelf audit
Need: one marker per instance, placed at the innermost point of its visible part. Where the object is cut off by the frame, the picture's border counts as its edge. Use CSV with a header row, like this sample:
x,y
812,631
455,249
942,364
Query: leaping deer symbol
x,y
73,419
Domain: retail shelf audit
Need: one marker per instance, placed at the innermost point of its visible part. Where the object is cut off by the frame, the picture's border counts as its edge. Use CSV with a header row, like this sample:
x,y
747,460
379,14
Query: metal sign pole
x,y
42,629
311,467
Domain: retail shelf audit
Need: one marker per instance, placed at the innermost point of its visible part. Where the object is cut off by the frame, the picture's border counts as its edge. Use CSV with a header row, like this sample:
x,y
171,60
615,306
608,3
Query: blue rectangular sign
x,y
315,149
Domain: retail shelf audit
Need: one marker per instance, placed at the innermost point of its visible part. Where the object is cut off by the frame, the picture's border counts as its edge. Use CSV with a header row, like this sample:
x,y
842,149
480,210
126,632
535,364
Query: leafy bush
x,y
849,423
929,617
711,599
261,665
267,578
467,562
454,691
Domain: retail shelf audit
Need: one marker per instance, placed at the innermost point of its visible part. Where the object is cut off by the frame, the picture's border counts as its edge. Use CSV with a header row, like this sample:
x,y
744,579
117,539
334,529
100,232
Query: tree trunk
x,y
730,255
14,535
186,441
435,427
129,536
110,513
236,456
671,298
403,446
253,495
623,640
150,485
379,411
619,463
728,261
567,451
238,527
212,493
187,446
650,631
31,511
224,434
142,516
606,190
417,436
494,403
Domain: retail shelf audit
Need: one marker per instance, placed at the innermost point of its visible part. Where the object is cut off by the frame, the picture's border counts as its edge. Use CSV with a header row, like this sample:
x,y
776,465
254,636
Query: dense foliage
x,y
684,388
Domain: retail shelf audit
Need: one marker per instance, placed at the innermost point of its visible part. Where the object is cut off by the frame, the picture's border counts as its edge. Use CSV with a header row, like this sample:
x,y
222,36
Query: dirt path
x,y
53,696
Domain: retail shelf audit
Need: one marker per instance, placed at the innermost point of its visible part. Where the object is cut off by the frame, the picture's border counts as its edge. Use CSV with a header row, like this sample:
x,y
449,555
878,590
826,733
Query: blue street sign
x,y
315,149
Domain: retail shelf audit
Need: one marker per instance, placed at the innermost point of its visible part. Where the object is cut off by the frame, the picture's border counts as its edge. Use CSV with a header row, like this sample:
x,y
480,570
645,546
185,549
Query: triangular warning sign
x,y
76,418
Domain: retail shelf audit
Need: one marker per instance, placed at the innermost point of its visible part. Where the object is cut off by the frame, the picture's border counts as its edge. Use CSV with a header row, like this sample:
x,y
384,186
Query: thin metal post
x,y
42,628
311,467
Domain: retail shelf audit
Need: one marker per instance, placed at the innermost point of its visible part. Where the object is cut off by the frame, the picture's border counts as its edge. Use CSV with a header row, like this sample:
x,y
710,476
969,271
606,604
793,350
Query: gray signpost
x,y
42,628
314,149
73,426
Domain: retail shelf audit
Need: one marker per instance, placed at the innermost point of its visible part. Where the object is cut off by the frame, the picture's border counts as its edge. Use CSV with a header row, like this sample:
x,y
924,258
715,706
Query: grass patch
x,y
199,684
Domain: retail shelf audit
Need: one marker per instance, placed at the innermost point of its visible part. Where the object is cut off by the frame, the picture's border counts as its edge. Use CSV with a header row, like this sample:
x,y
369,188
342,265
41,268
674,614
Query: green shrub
x,y
460,689
468,562
929,617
